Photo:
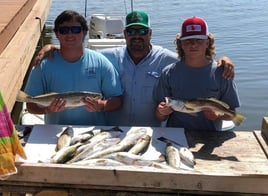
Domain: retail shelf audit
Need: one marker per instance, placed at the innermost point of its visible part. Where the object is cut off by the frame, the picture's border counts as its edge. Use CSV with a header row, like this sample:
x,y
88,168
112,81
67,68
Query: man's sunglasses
x,y
74,29
131,32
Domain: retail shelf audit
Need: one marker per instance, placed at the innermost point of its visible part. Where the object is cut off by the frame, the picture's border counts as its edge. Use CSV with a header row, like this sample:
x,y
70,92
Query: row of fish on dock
x,y
114,147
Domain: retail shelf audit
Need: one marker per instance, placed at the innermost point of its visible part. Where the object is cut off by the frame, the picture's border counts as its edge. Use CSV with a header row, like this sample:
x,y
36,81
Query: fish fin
x,y
45,95
219,102
22,96
238,118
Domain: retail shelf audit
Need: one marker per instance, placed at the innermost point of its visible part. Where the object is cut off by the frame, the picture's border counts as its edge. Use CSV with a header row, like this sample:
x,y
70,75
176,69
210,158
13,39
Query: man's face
x,y
70,34
137,38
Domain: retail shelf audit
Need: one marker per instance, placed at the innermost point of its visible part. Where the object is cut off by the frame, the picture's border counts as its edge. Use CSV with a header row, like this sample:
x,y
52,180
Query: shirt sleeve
x,y
161,89
111,85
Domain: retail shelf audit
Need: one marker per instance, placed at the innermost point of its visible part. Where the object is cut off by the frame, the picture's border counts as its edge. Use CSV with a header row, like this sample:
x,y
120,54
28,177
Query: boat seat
x,y
106,26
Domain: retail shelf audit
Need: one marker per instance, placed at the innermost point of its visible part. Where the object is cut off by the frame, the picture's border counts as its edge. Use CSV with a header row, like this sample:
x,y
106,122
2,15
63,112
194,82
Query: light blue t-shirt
x,y
92,72
180,81
138,82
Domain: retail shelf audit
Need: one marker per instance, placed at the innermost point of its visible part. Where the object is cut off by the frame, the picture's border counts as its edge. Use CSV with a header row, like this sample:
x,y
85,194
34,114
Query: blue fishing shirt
x,y
138,82
180,81
92,72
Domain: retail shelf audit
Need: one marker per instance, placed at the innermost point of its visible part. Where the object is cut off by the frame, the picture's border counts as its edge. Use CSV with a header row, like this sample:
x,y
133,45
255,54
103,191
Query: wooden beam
x,y
16,58
13,13
81,177
264,127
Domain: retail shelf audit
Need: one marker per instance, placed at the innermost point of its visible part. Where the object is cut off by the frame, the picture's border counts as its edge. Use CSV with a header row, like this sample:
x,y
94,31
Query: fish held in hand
x,y
72,98
197,105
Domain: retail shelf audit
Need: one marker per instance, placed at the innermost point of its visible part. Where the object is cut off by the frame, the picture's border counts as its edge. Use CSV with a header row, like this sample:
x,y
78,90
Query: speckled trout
x,y
72,98
197,105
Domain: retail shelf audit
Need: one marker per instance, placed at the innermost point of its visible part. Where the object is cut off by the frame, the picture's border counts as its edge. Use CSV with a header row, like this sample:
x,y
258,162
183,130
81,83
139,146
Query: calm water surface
x,y
240,27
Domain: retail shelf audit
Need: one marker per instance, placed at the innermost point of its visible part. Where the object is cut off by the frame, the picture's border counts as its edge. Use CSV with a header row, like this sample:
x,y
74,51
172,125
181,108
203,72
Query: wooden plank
x,y
262,141
119,179
15,59
264,127
13,13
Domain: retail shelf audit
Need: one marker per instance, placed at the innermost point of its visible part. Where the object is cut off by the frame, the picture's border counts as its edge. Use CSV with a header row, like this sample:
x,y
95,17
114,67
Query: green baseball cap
x,y
137,18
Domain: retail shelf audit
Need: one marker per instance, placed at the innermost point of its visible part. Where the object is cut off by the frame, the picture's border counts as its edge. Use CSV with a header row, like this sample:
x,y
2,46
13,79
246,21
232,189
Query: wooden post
x,y
264,128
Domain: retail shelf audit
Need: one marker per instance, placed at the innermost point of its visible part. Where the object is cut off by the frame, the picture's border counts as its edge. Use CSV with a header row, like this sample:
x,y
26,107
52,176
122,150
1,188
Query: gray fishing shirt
x,y
138,82
180,81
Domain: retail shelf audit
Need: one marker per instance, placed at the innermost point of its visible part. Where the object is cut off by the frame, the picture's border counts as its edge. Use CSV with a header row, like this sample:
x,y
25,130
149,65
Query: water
x,y
240,28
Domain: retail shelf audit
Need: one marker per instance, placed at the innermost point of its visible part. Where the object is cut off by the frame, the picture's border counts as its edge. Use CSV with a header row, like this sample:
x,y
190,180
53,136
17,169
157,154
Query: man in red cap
x,y
196,75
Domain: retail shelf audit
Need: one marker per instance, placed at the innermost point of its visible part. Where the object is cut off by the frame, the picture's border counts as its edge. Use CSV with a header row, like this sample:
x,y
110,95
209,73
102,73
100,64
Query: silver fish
x,y
81,138
187,156
197,105
93,148
136,160
98,162
125,144
72,98
64,154
65,138
93,141
141,145
173,156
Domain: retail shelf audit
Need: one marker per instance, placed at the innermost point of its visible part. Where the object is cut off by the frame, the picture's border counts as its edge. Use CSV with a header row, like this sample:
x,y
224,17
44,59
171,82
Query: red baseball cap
x,y
194,28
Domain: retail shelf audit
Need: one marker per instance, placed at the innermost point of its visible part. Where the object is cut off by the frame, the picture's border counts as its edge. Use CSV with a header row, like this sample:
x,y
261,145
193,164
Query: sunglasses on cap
x,y
142,31
66,29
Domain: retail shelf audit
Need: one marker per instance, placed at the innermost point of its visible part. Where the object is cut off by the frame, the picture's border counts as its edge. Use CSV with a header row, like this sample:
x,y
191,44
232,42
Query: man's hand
x,y
93,105
228,72
163,111
57,105
210,114
46,51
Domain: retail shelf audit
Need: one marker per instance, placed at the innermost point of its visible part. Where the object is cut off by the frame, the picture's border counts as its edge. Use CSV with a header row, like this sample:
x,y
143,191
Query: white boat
x,y
106,31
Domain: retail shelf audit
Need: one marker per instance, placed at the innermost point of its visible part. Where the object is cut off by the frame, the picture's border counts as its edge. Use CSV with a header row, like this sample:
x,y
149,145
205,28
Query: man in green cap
x,y
139,65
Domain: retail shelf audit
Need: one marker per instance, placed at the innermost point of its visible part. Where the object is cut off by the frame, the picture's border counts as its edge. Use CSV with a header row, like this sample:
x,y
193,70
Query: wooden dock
x,y
19,35
227,163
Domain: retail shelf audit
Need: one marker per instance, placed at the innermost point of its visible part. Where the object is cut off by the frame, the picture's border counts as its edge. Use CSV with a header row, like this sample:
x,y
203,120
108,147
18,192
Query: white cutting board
x,y
43,138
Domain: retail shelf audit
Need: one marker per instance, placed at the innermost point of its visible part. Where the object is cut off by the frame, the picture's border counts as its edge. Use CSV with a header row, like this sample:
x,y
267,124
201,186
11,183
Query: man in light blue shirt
x,y
75,68
138,80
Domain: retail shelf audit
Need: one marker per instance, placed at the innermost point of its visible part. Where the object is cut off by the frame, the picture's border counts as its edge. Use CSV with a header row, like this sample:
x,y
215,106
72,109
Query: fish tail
x,y
238,118
22,96
168,100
